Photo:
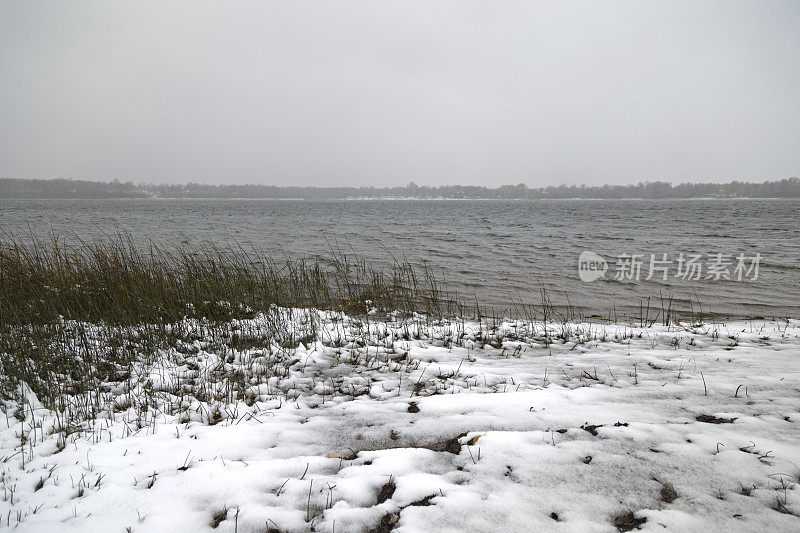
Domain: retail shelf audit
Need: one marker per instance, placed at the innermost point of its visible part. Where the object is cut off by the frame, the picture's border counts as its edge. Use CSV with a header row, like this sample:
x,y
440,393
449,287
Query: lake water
x,y
496,251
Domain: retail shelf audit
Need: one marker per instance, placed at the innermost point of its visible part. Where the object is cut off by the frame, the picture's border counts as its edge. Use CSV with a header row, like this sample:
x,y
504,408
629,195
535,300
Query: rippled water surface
x,y
497,251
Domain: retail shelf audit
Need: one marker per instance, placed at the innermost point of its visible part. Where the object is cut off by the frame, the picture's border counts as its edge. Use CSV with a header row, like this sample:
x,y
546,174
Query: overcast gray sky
x,y
381,93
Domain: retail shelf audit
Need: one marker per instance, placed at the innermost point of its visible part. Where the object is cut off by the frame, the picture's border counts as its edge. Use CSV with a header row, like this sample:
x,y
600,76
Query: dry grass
x,y
75,316
114,281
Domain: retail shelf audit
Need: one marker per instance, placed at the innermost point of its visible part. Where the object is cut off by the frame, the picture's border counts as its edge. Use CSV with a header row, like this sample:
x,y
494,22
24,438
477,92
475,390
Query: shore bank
x,y
341,423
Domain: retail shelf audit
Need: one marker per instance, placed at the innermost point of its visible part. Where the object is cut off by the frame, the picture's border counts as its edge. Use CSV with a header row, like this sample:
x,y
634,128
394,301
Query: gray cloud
x,y
380,93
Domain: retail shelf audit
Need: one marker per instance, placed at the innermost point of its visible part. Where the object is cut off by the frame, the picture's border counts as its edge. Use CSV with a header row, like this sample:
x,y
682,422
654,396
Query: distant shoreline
x,y
632,198
406,199
33,189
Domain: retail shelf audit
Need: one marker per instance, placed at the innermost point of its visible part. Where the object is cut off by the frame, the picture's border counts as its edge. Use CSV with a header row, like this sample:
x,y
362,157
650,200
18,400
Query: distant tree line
x,y
64,188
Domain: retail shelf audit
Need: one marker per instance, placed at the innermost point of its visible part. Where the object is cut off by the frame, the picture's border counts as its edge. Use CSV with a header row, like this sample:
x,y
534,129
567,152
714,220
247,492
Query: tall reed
x,y
114,281
73,316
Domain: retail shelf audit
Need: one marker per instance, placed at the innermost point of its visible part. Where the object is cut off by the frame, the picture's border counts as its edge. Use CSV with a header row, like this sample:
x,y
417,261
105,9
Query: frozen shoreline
x,y
408,425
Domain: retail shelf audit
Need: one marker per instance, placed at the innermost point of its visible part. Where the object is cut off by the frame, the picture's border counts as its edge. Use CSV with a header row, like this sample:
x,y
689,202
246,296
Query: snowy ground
x,y
382,426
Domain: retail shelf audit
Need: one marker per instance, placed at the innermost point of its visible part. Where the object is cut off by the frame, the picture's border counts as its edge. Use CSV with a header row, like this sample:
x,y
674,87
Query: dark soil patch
x,y
591,428
449,446
711,419
387,491
218,517
668,493
388,523
628,522
349,455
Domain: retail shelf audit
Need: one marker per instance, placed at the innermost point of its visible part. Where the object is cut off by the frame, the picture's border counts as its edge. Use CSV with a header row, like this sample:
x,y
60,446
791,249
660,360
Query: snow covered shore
x,y
415,426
